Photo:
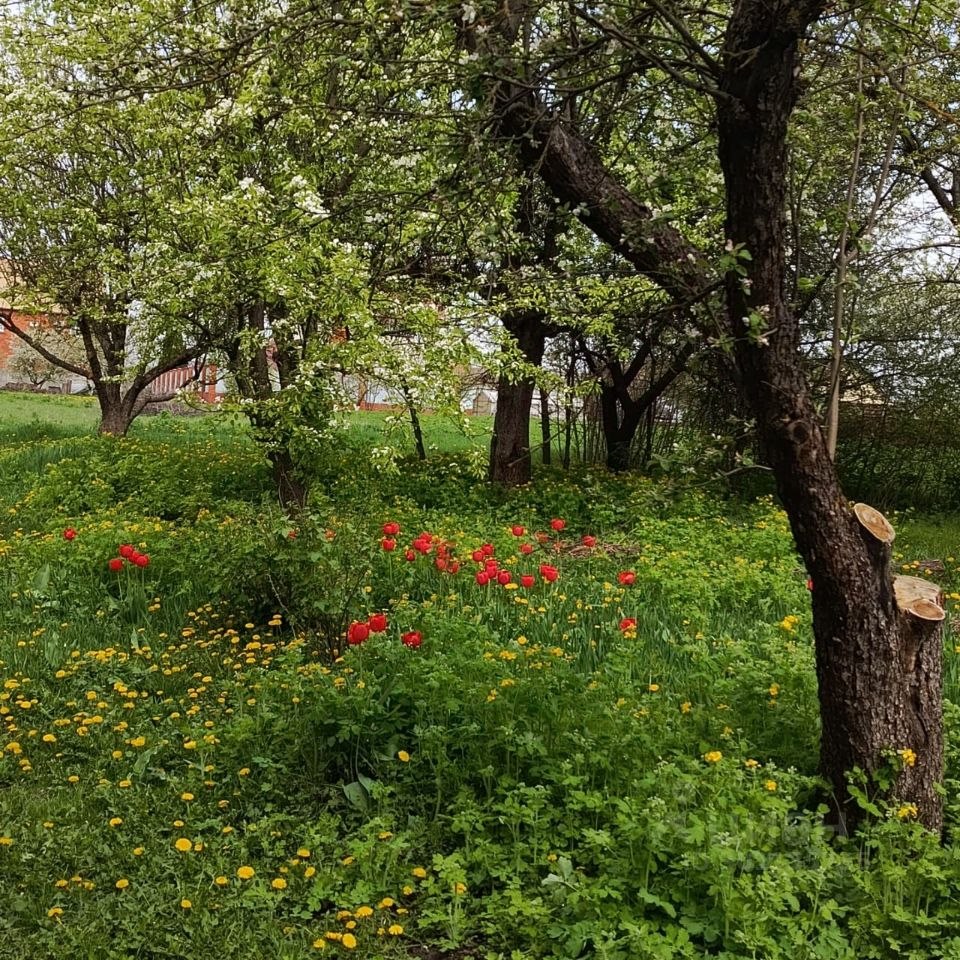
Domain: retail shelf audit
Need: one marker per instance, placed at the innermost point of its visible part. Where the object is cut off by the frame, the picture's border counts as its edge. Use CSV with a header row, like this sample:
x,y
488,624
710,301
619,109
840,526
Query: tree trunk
x,y
510,463
115,413
866,684
415,424
286,478
115,420
545,428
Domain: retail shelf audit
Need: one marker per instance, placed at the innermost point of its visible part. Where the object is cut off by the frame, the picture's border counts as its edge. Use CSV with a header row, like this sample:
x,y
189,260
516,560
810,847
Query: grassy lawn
x,y
31,412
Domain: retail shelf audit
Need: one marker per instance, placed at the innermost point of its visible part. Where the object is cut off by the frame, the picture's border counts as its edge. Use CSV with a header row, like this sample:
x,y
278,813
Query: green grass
x,y
23,414
588,767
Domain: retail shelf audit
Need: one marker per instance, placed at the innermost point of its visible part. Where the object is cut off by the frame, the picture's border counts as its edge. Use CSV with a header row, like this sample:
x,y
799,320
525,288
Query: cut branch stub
x,y
875,523
926,610
912,591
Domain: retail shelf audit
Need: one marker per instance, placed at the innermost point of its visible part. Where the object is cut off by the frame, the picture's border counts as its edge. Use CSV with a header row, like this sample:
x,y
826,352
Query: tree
x,y
873,702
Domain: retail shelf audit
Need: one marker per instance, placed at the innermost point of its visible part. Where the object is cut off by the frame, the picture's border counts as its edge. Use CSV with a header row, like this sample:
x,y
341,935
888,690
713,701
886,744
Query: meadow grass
x,y
617,759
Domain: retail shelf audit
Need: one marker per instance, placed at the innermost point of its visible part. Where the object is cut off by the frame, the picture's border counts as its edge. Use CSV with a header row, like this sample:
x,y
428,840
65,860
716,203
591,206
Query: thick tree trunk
x,y
865,681
116,414
510,463
114,420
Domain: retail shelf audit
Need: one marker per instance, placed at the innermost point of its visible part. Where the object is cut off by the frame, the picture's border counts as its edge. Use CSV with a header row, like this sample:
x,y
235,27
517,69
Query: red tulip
x,y
69,534
482,578
116,564
477,556
440,563
377,623
548,572
517,530
626,577
628,623
422,544
504,577
526,548
389,545
589,541
528,580
410,555
413,639
487,549
357,633
454,566
558,524
126,551
391,529
141,560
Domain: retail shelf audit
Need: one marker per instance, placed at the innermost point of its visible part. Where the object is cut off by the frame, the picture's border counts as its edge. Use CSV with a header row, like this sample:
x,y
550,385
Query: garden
x,y
428,717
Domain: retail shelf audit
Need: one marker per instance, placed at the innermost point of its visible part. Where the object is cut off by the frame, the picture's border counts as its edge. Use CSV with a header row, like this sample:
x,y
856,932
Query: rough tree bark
x,y
875,699
510,463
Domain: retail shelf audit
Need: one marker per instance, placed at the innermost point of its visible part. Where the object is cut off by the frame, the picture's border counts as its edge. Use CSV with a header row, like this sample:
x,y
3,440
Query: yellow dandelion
x,y
183,844
55,912
186,904
908,757
364,911
349,941
403,756
419,872
713,756
221,881
395,929
122,883
245,872
770,785
278,883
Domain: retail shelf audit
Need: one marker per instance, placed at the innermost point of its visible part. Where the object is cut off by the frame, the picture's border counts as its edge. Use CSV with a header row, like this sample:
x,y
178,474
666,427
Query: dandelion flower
x,y
245,872
183,844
